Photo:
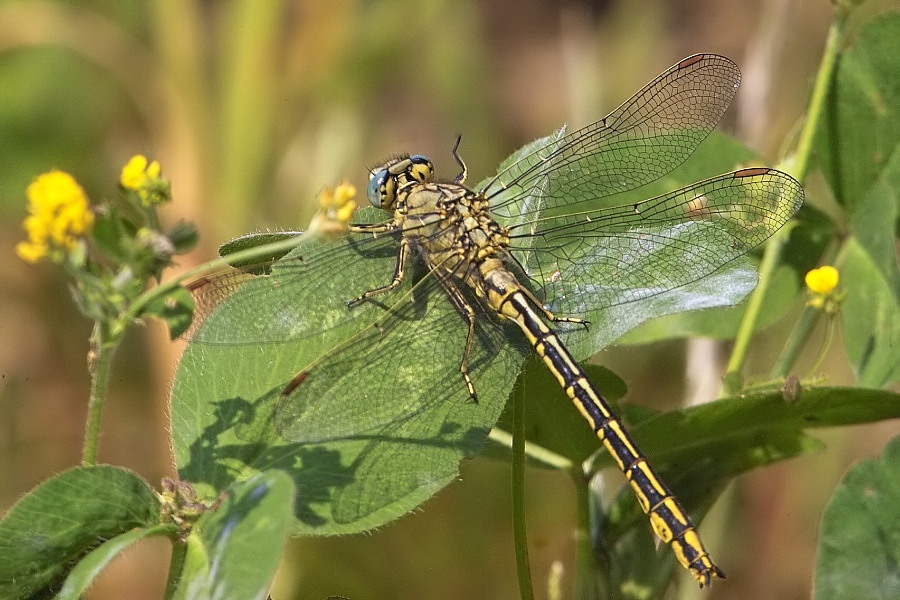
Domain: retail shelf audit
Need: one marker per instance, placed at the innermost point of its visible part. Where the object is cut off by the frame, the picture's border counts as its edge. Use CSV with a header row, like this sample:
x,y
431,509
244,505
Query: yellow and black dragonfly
x,y
404,325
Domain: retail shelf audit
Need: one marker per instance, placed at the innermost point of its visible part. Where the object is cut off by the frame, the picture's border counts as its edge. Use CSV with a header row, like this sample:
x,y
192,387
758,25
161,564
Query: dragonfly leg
x,y
399,270
551,315
468,313
374,228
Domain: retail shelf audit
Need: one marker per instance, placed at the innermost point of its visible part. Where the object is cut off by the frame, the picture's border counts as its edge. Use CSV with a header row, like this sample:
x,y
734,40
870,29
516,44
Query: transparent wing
x,y
366,370
650,134
399,372
584,263
301,296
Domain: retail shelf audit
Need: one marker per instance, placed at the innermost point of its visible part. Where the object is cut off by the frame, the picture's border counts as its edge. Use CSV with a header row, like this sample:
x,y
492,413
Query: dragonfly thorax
x,y
385,181
452,225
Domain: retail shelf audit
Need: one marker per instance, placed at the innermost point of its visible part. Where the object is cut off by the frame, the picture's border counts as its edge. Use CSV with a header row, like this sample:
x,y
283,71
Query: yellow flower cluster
x,y
336,207
144,178
58,214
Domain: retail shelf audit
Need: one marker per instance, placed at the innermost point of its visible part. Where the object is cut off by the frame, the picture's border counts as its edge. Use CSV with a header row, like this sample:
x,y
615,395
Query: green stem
x,y
520,534
798,169
802,328
826,344
767,267
176,566
534,452
817,102
586,575
100,357
795,342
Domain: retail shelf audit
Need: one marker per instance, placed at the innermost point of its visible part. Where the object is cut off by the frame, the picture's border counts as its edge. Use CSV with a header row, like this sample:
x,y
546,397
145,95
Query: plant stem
x,y
520,534
534,452
798,169
586,574
795,342
772,253
176,566
99,359
802,328
815,113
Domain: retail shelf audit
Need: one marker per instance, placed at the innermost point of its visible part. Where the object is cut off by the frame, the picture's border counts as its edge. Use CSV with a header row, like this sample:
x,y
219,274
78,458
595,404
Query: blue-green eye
x,y
378,188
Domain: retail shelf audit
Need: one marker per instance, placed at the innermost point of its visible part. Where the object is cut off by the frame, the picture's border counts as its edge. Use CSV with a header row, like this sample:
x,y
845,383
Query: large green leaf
x,y
46,532
859,135
859,151
859,545
387,417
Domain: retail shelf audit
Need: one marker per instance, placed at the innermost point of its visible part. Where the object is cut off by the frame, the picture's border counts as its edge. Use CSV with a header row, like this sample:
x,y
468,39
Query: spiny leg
x,y
399,271
373,228
468,313
550,315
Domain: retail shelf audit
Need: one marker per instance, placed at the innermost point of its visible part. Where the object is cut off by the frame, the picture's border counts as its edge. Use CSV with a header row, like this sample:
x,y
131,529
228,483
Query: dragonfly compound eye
x,y
381,189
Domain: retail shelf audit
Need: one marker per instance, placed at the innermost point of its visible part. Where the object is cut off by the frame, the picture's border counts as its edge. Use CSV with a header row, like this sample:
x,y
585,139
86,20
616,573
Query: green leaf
x,y
874,221
860,132
255,240
385,424
859,142
234,550
109,232
859,546
64,518
697,451
382,418
870,318
184,236
87,569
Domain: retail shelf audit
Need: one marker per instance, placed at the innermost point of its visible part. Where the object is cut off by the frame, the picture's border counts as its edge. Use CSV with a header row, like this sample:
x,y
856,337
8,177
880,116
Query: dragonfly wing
x,y
292,300
399,369
584,264
650,134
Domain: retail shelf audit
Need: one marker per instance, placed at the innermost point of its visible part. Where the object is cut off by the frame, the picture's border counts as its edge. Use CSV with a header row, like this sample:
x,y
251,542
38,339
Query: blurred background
x,y
251,107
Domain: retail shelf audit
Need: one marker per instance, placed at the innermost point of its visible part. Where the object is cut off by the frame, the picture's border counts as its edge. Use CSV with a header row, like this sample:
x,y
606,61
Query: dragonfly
x,y
532,248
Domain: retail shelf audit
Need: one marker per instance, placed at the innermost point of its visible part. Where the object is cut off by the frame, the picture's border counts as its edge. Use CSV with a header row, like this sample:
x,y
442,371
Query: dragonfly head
x,y
385,181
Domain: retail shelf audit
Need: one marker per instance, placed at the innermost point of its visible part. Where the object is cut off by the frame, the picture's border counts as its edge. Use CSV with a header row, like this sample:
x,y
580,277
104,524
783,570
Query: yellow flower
x,y
823,280
343,202
58,214
822,283
336,208
144,178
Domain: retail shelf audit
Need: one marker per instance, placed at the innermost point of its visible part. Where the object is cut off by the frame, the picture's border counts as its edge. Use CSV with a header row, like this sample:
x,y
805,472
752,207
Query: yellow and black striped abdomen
x,y
669,520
